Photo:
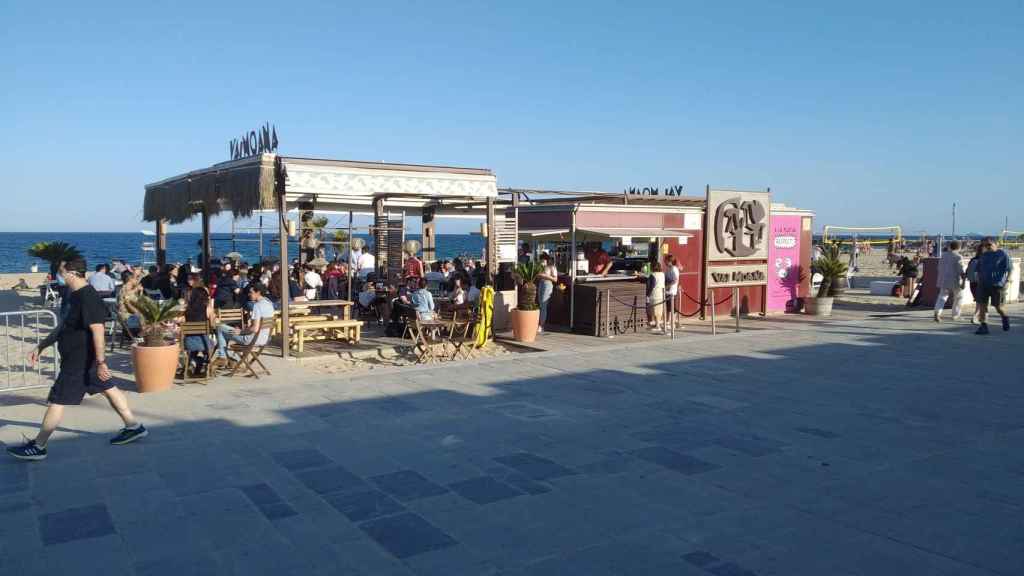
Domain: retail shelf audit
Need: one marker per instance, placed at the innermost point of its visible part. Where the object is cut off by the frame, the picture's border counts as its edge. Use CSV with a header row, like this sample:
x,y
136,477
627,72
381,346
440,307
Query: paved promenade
x,y
873,446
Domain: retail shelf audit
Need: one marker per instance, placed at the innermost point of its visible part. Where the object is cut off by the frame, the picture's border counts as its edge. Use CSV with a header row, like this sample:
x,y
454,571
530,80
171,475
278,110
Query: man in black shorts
x,y
83,366
993,273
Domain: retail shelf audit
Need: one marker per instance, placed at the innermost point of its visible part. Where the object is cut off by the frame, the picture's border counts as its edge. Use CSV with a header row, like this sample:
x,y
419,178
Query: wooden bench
x,y
296,320
350,330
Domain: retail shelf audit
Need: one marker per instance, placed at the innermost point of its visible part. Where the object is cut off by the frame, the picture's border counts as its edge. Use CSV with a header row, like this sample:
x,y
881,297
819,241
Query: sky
x,y
868,113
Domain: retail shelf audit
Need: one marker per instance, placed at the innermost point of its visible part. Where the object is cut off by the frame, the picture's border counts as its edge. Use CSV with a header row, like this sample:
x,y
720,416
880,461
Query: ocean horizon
x,y
98,247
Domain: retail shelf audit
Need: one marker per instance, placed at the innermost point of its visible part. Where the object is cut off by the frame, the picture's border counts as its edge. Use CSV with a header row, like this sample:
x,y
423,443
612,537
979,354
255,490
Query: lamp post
x,y
954,219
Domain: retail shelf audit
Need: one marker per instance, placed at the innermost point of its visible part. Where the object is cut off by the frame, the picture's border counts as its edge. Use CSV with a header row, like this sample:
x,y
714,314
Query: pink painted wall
x,y
783,262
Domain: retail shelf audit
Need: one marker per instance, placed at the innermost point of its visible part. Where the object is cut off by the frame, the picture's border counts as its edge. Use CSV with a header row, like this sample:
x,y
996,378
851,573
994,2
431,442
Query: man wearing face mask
x,y
83,366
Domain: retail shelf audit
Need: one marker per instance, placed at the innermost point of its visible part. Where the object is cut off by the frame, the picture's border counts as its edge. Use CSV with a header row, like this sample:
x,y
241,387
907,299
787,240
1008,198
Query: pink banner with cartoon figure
x,y
783,262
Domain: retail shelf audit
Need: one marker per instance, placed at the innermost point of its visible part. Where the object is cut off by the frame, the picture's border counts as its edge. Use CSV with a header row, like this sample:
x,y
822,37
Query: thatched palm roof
x,y
241,187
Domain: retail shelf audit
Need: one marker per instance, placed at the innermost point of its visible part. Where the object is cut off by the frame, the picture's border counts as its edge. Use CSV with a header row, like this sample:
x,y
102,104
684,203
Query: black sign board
x,y
254,143
670,191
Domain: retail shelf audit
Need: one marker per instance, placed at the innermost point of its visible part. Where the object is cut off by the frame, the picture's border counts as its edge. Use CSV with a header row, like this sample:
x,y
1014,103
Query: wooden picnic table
x,y
345,305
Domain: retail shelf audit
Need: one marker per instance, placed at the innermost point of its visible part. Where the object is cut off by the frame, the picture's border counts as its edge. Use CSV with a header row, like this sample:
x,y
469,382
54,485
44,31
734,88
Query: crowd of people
x,y
987,275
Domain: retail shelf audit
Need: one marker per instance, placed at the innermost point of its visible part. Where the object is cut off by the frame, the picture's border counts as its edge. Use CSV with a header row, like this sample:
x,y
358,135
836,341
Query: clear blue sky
x,y
870,113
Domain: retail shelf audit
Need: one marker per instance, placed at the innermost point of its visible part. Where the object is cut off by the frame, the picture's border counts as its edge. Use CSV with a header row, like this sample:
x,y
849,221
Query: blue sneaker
x,y
28,451
129,435
983,329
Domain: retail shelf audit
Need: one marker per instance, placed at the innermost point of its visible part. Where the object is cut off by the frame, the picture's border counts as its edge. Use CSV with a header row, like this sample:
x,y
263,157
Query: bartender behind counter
x,y
600,263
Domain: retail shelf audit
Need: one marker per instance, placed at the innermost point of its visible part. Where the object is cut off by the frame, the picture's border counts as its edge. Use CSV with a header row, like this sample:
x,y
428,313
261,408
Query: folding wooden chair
x,y
201,328
461,335
426,338
229,315
249,354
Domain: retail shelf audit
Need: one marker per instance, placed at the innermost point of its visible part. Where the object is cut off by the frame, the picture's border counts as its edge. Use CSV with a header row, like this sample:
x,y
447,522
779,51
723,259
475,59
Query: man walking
x,y
950,281
993,271
83,366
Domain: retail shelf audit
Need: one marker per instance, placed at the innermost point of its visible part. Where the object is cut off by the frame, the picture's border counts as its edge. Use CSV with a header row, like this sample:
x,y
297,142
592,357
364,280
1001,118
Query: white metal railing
x,y
22,331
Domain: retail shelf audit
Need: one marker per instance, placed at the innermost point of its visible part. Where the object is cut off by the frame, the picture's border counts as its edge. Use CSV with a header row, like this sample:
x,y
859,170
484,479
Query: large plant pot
x,y
818,306
155,367
524,325
839,286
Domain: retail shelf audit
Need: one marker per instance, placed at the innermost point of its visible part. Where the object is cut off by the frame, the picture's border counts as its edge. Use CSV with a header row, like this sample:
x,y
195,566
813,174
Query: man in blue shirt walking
x,y
993,272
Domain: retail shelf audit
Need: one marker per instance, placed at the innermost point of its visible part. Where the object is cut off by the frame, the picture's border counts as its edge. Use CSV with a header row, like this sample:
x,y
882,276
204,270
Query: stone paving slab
x,y
853,446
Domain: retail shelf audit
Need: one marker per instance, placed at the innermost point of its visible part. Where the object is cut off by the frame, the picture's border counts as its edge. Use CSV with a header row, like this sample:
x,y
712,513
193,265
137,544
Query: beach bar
x,y
640,229
387,192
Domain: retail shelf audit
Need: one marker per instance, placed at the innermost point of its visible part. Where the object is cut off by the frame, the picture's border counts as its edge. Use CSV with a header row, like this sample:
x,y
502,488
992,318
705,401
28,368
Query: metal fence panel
x,y
20,332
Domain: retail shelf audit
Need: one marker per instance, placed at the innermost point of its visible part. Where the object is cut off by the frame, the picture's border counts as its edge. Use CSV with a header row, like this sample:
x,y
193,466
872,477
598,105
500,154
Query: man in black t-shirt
x,y
83,366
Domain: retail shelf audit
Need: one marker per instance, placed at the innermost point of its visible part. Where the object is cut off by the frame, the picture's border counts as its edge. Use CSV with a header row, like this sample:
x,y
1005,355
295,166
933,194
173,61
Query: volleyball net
x,y
874,235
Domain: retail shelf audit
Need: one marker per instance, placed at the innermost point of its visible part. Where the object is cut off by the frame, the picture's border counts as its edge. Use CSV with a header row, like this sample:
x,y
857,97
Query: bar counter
x,y
620,301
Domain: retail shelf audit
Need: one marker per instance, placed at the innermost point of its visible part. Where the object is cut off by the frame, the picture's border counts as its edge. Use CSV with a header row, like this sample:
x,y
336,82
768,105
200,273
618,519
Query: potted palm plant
x,y
54,253
155,356
831,268
526,316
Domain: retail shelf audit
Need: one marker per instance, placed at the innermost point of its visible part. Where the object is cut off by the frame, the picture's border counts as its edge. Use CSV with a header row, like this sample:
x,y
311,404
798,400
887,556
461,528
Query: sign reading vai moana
x,y
736,238
254,142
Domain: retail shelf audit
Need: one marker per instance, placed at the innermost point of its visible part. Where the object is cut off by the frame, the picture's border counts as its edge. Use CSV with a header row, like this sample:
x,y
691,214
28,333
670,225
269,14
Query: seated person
x,y
368,300
458,293
401,307
260,322
227,288
473,296
102,282
126,296
423,301
198,308
167,282
148,281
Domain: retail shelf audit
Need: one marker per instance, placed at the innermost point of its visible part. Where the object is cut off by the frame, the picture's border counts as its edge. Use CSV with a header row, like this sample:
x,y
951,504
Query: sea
x,y
99,247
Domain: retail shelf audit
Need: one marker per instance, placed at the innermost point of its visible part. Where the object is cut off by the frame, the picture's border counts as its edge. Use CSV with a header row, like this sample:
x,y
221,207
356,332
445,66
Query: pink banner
x,y
783,262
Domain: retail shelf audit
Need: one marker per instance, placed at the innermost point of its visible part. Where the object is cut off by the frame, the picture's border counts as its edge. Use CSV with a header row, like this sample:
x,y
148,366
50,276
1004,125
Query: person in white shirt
x,y
950,281
545,288
313,282
458,295
366,265
671,270
102,283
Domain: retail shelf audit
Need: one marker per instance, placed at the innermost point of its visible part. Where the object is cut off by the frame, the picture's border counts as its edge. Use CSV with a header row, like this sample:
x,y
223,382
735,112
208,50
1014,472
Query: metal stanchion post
x,y
608,313
736,303
671,316
711,301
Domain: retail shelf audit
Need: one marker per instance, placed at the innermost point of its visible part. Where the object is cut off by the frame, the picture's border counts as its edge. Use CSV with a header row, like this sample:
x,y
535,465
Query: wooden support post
x,y
429,241
161,243
492,242
380,237
206,243
282,237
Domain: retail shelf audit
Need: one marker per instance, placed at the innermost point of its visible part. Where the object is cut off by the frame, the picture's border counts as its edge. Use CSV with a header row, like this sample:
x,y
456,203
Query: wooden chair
x,y
427,338
461,335
249,354
229,315
201,328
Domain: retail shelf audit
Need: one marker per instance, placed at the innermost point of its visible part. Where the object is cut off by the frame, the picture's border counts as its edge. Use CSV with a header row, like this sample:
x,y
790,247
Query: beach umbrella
x,y
233,256
318,262
358,243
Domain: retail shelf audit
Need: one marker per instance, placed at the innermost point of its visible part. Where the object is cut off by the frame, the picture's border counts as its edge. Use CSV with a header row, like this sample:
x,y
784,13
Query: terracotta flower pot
x,y
524,325
155,367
